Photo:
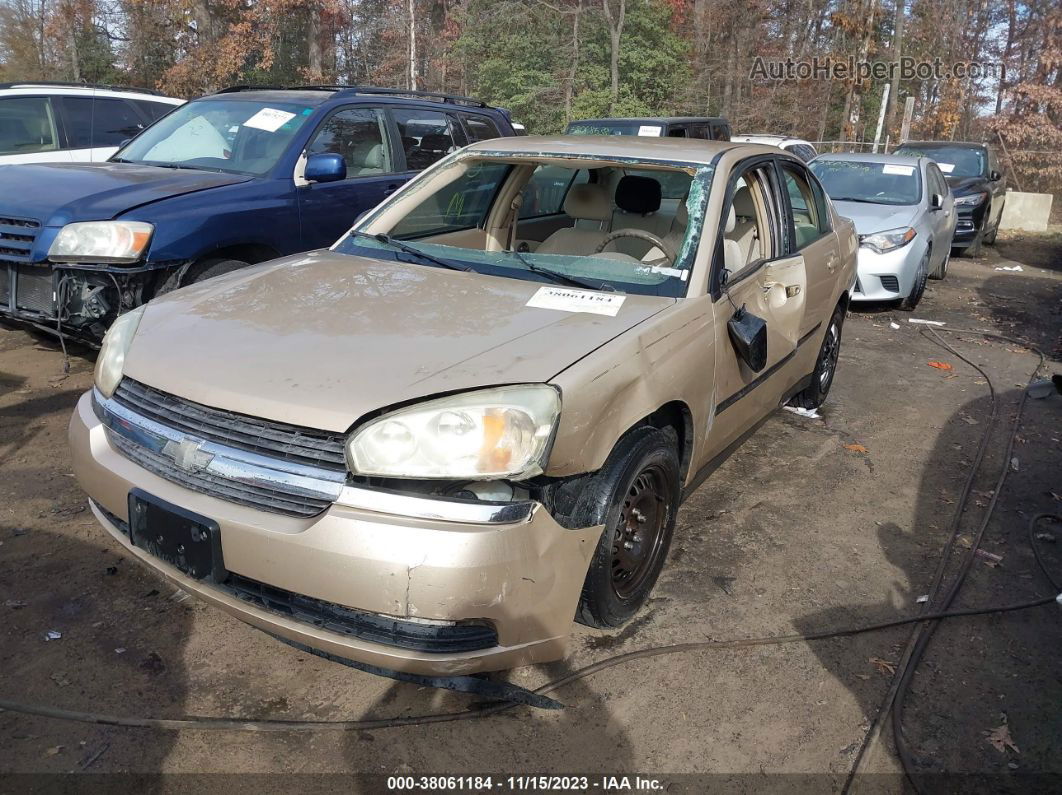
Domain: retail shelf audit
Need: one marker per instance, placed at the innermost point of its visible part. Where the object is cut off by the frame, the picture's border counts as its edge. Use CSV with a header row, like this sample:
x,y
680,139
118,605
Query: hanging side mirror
x,y
748,335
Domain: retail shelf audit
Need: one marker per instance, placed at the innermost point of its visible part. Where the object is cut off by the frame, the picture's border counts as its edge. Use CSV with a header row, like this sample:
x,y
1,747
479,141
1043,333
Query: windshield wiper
x,y
853,199
558,277
415,252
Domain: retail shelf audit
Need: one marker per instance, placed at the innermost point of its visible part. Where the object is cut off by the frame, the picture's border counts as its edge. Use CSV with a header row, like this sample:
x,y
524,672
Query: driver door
x,y
752,272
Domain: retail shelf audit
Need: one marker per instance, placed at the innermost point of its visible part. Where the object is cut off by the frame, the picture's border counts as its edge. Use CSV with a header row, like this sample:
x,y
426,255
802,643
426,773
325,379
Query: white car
x,y
72,122
797,146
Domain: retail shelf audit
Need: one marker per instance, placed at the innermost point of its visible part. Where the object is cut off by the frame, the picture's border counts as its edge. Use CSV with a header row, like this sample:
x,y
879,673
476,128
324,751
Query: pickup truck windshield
x,y
237,136
866,181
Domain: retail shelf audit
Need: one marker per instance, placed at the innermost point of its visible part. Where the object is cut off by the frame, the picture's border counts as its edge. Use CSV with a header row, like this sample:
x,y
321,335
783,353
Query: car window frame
x,y
775,227
465,115
399,151
93,143
481,224
385,129
820,205
58,127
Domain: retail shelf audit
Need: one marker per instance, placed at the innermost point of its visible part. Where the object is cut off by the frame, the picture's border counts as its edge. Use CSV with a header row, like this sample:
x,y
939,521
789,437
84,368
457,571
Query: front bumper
x,y
523,579
968,223
886,277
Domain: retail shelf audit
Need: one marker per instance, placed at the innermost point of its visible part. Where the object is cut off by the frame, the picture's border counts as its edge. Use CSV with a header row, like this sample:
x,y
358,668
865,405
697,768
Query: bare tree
x,y
615,21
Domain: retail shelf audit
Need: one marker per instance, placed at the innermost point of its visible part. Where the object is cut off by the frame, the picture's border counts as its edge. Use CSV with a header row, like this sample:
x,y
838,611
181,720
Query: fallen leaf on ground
x,y
883,666
856,448
57,748
991,558
1001,740
940,365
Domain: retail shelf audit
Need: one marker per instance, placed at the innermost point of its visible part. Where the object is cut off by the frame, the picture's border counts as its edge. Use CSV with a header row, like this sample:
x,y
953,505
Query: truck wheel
x,y
636,496
814,395
209,268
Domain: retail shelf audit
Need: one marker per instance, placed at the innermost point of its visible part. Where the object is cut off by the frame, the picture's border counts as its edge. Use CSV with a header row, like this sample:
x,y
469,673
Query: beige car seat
x,y
586,202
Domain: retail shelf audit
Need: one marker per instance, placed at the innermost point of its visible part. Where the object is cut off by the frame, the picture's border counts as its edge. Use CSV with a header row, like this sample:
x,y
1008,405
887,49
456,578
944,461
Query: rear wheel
x,y
814,395
636,496
919,286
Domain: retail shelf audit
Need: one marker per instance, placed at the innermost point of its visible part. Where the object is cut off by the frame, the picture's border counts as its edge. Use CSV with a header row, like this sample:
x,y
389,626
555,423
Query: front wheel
x,y
636,496
919,286
209,268
814,395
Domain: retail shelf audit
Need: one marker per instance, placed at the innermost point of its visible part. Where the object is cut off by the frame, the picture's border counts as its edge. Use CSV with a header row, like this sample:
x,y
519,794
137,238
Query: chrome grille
x,y
275,439
33,289
17,236
273,500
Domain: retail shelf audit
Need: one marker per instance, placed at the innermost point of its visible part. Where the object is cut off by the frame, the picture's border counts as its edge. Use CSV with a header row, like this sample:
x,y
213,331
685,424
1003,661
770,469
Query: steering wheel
x,y
639,234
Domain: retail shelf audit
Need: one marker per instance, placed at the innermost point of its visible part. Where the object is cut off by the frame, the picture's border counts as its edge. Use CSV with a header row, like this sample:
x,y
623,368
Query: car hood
x,y
961,186
321,339
871,218
61,193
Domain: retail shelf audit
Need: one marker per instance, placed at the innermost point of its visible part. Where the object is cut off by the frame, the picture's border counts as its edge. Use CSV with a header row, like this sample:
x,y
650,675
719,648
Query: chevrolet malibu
x,y
473,419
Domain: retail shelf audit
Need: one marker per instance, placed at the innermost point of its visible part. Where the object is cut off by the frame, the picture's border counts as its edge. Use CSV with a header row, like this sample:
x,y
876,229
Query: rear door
x,y
327,210
97,126
29,132
943,220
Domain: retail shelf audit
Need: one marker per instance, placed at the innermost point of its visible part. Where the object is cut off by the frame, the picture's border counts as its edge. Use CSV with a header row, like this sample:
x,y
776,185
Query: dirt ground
x,y
796,533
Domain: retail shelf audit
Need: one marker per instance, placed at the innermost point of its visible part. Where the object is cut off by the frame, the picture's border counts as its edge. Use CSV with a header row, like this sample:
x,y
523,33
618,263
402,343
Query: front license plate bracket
x,y
185,540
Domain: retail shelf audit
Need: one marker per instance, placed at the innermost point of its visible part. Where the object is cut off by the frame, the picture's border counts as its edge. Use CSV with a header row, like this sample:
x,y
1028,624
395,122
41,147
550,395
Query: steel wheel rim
x,y
831,348
639,536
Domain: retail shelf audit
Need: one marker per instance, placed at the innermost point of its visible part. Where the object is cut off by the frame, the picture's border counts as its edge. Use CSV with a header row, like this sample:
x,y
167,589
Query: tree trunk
x,y
314,56
569,86
412,45
897,52
615,32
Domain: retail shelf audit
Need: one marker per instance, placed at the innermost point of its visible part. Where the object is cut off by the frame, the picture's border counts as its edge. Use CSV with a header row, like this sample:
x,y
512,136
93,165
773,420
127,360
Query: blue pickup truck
x,y
225,181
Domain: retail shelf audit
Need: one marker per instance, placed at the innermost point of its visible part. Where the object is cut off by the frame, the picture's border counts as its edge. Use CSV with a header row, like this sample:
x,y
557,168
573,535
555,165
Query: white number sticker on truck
x,y
269,119
650,129
564,300
947,168
903,171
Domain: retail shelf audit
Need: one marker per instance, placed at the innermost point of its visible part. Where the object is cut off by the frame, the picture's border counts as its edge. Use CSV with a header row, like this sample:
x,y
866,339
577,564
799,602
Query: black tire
x,y
941,271
814,395
919,287
209,268
639,487
990,239
975,248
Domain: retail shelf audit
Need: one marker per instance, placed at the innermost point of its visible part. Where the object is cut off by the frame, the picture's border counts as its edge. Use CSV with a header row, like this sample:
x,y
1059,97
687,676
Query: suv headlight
x,y
116,342
888,240
972,200
503,432
101,241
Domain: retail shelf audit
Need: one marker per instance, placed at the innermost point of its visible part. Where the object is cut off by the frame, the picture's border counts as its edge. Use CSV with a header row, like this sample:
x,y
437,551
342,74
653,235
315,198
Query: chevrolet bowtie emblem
x,y
188,455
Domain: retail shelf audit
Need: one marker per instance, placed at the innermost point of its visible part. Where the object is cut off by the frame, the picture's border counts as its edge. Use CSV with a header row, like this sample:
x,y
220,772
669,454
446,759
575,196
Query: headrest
x,y
743,205
682,215
435,142
731,220
589,202
638,195
370,154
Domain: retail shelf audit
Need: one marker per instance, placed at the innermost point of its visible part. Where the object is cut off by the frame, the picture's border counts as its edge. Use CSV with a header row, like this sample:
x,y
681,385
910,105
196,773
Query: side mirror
x,y
995,176
325,167
936,202
748,335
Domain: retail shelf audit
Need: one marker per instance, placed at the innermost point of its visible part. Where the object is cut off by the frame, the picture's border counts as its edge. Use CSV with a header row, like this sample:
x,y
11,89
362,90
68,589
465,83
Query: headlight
x,y
891,239
972,200
101,241
116,341
493,433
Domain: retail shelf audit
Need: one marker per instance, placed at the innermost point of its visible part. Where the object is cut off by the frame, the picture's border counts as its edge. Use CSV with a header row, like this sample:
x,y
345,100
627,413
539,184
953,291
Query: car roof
x,y
80,89
868,157
656,119
319,95
759,137
615,147
942,144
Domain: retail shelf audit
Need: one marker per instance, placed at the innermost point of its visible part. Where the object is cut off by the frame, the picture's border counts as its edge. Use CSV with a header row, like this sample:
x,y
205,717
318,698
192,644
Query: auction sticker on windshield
x,y
903,171
269,119
947,168
565,300
650,129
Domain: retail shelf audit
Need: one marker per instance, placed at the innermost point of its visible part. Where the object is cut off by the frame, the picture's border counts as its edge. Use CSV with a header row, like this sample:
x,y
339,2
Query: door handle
x,y
390,189
831,263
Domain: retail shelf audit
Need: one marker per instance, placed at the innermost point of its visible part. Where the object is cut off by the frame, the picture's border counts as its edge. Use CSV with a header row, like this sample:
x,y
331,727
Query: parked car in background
x,y
227,180
430,446
709,128
904,214
797,146
73,122
976,178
